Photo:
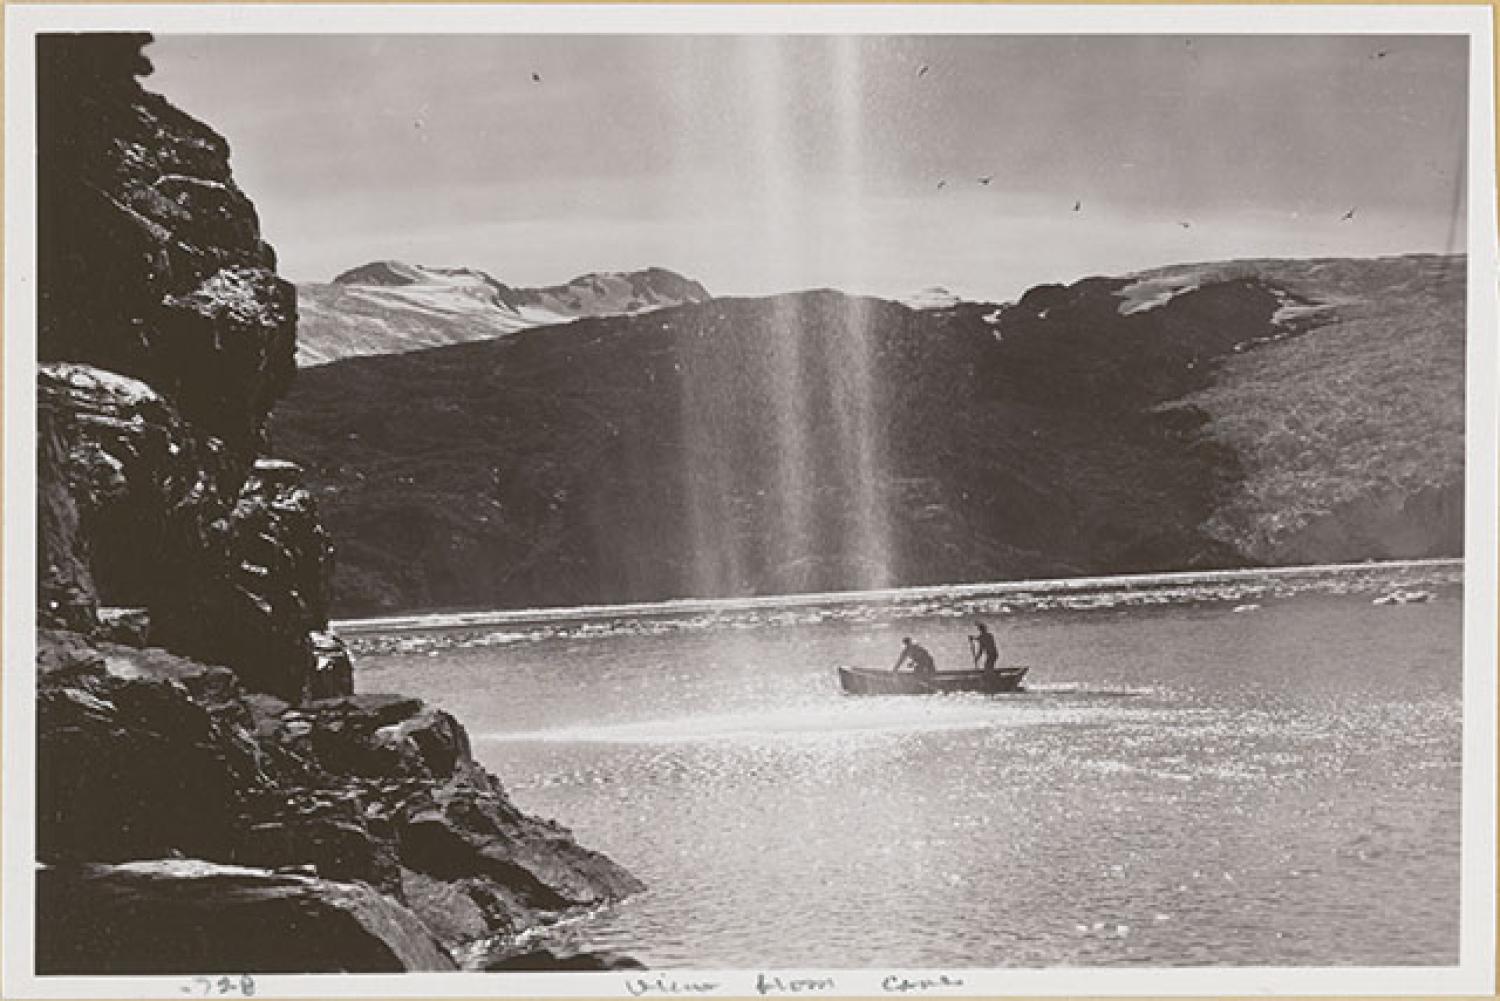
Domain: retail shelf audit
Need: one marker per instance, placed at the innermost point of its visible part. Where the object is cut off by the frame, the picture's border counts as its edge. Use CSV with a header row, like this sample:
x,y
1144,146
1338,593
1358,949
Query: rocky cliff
x,y
164,336
352,833
1239,414
211,792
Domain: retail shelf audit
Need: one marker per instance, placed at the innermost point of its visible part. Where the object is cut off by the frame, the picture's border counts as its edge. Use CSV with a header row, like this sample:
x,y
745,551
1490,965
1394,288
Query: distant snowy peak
x,y
387,307
594,294
931,297
387,273
616,292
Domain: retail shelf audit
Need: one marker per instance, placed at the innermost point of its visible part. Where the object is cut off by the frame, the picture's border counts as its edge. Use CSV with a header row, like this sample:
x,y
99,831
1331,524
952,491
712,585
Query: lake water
x,y
1250,771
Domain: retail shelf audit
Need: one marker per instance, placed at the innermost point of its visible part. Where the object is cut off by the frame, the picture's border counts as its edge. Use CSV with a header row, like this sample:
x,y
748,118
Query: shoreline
x,y
423,621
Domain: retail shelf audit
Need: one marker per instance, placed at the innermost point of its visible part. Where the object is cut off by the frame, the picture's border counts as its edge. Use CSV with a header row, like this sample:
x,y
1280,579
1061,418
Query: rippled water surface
x,y
1231,776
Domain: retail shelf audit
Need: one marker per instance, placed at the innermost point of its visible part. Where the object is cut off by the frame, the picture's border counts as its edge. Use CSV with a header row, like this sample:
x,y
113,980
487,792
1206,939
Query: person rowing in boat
x,y
984,644
922,663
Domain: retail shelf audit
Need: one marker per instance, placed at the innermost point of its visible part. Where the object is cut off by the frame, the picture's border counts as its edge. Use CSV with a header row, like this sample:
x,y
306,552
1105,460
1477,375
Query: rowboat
x,y
864,681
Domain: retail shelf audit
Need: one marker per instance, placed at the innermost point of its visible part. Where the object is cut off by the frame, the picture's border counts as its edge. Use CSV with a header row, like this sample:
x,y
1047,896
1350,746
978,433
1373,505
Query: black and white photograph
x,y
749,501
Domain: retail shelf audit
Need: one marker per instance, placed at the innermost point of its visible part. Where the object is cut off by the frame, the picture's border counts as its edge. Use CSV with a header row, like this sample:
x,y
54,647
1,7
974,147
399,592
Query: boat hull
x,y
863,681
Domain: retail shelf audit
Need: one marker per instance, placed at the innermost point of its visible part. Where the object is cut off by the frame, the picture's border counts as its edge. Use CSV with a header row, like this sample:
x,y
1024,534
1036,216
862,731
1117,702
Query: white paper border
x,y
1475,973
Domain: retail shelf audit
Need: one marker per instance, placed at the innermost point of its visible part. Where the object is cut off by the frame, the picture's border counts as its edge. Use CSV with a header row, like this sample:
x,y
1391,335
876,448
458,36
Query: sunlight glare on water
x,y
819,720
1179,785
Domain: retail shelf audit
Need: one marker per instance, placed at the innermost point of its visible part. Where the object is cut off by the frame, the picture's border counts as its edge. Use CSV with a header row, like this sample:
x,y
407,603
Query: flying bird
x,y
922,72
1077,206
536,78
1348,215
987,179
1381,54
942,185
1185,225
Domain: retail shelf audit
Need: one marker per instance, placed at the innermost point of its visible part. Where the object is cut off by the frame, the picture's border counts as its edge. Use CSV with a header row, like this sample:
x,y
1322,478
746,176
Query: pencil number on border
x,y
209,987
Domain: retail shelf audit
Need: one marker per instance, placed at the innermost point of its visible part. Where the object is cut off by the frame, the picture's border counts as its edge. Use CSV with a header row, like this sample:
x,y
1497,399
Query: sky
x,y
765,163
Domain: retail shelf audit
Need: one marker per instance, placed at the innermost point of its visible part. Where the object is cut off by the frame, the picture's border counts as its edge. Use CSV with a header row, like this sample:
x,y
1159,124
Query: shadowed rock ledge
x,y
221,917
213,794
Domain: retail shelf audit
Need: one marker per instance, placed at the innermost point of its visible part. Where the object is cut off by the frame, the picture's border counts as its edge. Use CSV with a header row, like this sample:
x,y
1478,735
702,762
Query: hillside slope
x,y
1352,442
388,306
820,441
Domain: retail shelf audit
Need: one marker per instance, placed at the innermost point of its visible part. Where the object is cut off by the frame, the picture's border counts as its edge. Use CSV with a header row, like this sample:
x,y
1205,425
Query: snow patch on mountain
x,y
388,307
1293,309
1157,290
931,297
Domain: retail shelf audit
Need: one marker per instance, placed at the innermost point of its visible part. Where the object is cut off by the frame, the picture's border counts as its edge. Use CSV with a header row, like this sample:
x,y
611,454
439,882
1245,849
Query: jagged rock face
x,y
165,337
147,490
66,596
240,580
265,595
143,754
129,765
437,829
186,916
150,261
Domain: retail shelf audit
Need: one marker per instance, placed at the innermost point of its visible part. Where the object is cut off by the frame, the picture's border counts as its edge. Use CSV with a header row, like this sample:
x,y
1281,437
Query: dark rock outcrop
x,y
150,261
222,732
139,754
186,916
392,784
125,626
66,596
261,605
145,755
241,580
550,960
129,466
165,337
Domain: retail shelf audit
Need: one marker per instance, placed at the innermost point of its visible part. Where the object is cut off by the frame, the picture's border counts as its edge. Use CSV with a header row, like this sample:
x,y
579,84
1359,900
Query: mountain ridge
x,y
389,306
1271,413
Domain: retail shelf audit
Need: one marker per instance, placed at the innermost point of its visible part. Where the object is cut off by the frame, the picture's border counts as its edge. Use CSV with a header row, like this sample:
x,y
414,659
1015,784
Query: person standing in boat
x,y
921,661
984,644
